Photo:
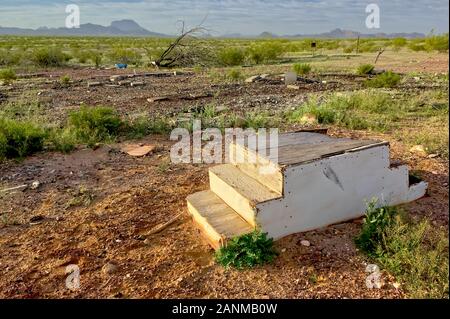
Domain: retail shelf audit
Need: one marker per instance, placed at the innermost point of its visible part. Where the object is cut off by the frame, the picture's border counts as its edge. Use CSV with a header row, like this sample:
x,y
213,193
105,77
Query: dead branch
x,y
378,55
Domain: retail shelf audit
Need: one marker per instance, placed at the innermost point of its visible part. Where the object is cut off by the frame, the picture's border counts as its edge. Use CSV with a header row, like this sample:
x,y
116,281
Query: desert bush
x,y
231,56
414,252
235,75
365,69
94,124
7,75
247,251
127,56
143,125
49,56
65,80
437,43
302,68
384,80
20,138
398,43
265,52
10,57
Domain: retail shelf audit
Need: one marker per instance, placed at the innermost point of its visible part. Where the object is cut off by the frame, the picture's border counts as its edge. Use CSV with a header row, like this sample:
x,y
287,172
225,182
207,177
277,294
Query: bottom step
x,y
217,221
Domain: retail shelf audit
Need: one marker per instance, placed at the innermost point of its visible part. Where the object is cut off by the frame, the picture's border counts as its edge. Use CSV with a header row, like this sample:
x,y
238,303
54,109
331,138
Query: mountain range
x,y
132,28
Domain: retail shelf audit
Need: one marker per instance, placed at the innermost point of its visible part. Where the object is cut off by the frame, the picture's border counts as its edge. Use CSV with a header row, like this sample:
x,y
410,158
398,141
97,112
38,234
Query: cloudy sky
x,y
236,16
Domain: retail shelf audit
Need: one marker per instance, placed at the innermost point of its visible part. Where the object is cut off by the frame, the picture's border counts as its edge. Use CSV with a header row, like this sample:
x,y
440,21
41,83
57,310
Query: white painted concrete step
x,y
239,191
217,221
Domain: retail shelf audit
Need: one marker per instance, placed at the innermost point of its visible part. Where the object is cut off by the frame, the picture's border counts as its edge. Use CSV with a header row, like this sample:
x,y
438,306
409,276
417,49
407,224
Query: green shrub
x,y
19,139
235,75
7,75
94,124
414,252
265,52
143,126
384,80
49,57
10,57
231,56
127,56
62,140
398,43
365,69
247,251
65,80
302,68
437,43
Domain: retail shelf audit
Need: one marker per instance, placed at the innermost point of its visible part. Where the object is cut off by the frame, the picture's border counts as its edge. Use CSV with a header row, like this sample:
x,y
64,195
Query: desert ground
x,y
97,207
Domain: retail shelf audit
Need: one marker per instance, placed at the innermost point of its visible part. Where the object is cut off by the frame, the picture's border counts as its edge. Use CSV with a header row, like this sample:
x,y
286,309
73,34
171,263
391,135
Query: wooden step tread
x,y
245,185
302,147
217,221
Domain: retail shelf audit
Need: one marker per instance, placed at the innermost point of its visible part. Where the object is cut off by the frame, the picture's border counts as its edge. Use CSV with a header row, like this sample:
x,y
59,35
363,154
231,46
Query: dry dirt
x,y
96,207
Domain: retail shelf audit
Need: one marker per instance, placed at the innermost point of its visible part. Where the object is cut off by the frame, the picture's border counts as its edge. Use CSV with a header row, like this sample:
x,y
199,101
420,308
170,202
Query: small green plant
x,y
20,138
7,75
65,80
235,75
94,124
414,252
247,251
144,125
83,196
365,69
49,57
231,56
302,68
384,80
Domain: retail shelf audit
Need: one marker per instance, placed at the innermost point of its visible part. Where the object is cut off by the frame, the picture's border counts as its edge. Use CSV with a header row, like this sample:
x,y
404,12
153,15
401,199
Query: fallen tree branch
x,y
161,227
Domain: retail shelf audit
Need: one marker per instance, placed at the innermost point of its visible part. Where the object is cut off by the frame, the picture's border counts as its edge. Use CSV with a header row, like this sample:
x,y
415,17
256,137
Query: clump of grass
x,y
49,57
302,68
65,80
414,252
20,138
247,251
387,79
365,69
231,56
235,75
143,125
7,75
94,124
83,196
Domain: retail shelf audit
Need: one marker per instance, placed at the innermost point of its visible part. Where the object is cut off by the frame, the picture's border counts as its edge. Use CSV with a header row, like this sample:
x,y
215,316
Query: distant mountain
x,y
348,34
117,28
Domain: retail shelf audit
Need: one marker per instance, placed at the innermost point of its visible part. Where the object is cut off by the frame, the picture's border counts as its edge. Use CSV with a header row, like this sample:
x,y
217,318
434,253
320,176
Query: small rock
x,y
293,87
92,84
110,268
419,150
36,219
252,79
396,285
305,243
35,185
433,155
283,250
139,83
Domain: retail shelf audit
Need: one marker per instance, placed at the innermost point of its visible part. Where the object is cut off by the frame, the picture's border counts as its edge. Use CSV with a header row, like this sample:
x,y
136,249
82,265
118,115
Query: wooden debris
x,y
138,150
137,83
253,79
163,226
16,188
93,84
293,87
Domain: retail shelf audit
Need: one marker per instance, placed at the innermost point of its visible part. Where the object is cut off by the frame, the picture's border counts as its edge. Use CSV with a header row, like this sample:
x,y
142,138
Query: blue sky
x,y
236,16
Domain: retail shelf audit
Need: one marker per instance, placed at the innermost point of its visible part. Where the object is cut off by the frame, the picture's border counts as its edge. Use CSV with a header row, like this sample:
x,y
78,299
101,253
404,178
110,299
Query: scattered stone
x,y
157,99
122,83
36,219
138,151
419,150
305,243
116,78
396,285
293,87
110,268
290,78
252,79
324,82
35,185
93,84
139,83
283,250
433,155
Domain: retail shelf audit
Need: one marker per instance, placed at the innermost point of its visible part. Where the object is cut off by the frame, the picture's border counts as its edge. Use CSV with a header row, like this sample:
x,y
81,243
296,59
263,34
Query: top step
x,y
303,147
